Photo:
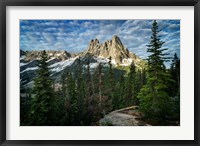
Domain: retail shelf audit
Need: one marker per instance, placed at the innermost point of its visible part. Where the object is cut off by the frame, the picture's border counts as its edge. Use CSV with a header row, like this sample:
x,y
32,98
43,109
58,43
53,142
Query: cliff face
x,y
112,48
35,55
129,116
96,53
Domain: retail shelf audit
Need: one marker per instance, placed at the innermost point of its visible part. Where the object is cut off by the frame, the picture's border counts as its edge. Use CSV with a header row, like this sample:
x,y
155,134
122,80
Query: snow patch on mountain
x,y
22,64
51,59
59,66
22,57
113,62
101,59
94,65
29,68
126,62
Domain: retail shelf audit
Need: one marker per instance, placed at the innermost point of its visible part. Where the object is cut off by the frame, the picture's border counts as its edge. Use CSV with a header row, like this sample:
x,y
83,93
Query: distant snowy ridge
x,y
61,61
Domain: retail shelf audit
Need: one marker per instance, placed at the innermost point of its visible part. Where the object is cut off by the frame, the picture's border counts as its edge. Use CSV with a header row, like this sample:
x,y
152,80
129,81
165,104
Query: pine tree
x,y
143,77
122,99
100,84
89,89
25,104
42,105
119,96
95,82
130,85
60,101
64,84
111,84
111,78
88,99
175,85
137,85
175,75
154,100
72,107
81,93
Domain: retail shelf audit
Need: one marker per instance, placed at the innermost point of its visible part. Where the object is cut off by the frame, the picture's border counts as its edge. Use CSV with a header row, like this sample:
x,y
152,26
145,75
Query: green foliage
x,y
111,85
81,93
130,86
84,97
175,75
72,109
89,88
175,86
125,68
25,103
42,107
154,99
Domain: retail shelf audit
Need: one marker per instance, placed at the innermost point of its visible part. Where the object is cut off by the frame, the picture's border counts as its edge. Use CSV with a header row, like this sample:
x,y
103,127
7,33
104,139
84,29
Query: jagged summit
x,y
116,39
114,48
34,55
60,61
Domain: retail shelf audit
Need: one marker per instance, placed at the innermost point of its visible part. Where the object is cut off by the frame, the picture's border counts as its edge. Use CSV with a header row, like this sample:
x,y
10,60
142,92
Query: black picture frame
x,y
5,3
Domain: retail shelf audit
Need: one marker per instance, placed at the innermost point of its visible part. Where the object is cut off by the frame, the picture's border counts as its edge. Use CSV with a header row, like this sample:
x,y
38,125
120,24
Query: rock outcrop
x,y
114,48
111,48
96,53
59,55
124,117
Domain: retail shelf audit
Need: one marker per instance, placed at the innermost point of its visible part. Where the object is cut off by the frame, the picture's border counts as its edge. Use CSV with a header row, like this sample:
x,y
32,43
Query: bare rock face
x,y
119,119
123,117
59,55
114,48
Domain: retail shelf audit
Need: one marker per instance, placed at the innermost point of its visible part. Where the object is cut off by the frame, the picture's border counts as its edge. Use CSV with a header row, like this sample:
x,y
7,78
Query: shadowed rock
x,y
123,117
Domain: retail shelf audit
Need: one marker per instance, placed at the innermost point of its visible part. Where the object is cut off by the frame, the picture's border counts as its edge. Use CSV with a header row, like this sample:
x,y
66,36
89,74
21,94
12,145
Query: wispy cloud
x,y
74,35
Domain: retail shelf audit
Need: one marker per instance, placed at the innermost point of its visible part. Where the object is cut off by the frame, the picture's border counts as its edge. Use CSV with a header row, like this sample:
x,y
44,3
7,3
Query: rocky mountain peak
x,y
94,44
116,40
36,55
96,41
96,53
113,48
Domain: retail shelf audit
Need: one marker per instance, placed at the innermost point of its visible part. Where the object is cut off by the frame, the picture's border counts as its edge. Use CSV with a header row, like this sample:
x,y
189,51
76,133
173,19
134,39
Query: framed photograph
x,y
99,72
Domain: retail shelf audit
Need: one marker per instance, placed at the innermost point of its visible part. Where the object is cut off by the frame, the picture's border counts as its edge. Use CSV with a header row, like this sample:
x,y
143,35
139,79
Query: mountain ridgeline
x,y
114,49
104,85
60,61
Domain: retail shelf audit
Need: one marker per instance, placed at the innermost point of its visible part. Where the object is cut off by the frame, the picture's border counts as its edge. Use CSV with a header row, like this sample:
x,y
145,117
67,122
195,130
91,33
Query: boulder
x,y
123,117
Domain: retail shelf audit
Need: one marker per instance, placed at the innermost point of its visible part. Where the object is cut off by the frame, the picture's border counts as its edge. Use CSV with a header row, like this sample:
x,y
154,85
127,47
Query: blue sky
x,y
75,35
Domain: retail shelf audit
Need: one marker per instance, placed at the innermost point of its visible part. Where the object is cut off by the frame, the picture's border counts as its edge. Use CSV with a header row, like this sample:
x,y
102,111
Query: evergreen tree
x,y
95,82
42,105
72,106
154,100
88,99
25,104
143,77
100,84
60,101
81,93
130,86
111,84
119,96
111,78
137,85
175,75
89,89
64,84
122,99
94,102
175,86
